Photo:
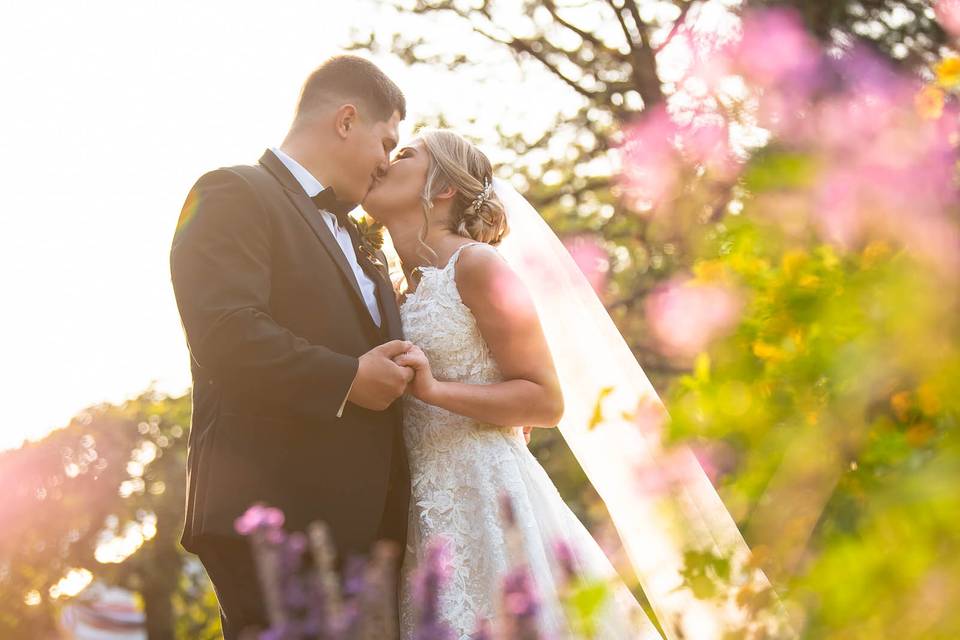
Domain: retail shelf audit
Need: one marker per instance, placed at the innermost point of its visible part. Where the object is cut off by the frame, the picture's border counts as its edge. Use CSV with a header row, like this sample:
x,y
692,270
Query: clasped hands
x,y
388,371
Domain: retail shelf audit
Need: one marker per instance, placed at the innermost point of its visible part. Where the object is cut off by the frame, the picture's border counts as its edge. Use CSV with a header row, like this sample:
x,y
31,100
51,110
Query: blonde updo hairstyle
x,y
456,162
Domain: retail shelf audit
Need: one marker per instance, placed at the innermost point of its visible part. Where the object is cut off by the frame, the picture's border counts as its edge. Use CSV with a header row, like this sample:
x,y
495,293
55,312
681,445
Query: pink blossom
x,y
948,15
704,57
716,458
592,260
651,166
661,475
706,142
837,212
258,516
685,316
775,48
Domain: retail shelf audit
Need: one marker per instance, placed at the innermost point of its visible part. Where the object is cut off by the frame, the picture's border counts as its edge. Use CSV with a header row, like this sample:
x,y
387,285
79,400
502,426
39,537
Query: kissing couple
x,y
317,389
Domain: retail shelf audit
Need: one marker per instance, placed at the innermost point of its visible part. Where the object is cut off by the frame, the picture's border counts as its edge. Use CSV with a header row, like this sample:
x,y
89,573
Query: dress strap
x,y
456,254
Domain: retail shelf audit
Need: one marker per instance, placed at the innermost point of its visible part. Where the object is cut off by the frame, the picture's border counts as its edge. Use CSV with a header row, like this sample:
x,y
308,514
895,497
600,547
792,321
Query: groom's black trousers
x,y
229,564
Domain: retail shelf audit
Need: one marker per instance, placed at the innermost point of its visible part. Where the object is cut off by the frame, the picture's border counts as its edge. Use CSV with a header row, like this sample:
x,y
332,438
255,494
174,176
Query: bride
x,y
508,333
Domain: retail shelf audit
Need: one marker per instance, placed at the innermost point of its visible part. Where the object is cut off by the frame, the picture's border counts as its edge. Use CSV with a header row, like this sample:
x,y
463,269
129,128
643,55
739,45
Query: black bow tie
x,y
326,200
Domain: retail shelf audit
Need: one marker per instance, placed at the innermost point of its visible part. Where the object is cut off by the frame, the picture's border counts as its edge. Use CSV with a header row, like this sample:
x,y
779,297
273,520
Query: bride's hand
x,y
423,385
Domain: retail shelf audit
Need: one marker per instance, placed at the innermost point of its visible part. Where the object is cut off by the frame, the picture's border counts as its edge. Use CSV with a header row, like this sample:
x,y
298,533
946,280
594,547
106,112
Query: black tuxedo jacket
x,y
275,322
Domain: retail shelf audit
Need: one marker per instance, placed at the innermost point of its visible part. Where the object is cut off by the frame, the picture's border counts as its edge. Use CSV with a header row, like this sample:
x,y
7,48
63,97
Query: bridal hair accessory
x,y
481,199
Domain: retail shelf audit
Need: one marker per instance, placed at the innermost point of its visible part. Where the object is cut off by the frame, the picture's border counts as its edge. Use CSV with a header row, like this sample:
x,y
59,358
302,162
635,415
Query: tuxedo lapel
x,y
388,302
390,314
308,210
387,299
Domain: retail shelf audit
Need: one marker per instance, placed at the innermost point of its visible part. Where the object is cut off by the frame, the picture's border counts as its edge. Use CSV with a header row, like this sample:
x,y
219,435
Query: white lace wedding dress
x,y
459,470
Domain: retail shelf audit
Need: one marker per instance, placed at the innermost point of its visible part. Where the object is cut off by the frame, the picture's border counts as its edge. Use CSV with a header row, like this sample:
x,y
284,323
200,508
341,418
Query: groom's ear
x,y
345,119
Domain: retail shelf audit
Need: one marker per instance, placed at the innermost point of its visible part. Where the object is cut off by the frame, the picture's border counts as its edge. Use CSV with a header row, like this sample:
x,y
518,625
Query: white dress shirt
x,y
312,187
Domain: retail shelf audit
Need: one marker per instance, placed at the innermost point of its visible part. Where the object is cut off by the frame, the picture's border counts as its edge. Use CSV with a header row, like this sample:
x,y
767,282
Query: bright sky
x,y
110,111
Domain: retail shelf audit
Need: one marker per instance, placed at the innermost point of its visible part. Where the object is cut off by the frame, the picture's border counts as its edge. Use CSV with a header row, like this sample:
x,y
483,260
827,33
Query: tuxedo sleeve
x,y
220,266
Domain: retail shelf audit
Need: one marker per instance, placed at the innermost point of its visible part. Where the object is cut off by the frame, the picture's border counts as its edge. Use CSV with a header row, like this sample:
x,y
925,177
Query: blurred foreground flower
x,y
301,589
930,103
948,72
306,601
948,15
592,259
822,330
429,581
775,49
686,315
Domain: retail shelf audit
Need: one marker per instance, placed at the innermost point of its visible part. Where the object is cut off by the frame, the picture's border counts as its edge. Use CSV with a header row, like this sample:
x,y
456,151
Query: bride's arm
x,y
530,393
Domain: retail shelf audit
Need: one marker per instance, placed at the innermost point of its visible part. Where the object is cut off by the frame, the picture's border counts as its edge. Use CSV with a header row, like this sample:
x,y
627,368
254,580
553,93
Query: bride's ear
x,y
447,194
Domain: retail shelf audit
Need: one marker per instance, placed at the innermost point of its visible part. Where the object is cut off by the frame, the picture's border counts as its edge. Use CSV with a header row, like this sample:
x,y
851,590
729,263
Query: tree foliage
x,y
103,494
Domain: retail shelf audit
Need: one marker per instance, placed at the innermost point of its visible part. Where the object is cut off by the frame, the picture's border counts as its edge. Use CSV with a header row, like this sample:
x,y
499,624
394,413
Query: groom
x,y
292,328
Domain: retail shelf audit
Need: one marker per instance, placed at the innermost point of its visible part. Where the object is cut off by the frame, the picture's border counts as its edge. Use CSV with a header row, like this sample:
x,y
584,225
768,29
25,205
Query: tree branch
x,y
677,25
643,61
623,26
522,46
584,35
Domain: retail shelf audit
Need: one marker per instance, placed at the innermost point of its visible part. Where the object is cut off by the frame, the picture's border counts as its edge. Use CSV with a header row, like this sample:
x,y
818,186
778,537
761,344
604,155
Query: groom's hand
x,y
379,380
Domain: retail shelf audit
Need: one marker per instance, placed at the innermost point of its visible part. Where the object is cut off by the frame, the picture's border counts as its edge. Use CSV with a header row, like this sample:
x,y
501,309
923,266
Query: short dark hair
x,y
352,78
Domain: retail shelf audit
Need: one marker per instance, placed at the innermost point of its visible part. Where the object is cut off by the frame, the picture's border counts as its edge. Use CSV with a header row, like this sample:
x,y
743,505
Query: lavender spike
x,y
326,581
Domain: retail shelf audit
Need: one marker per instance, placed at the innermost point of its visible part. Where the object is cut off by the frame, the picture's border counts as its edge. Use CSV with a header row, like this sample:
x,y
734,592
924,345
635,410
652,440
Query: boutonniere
x,y
370,234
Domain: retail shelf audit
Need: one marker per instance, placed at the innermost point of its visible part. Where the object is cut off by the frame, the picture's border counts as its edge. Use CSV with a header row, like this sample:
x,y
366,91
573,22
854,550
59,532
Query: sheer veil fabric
x,y
660,500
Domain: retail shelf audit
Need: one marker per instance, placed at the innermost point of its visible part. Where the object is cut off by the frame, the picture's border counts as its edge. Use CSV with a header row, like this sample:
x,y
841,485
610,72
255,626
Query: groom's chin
x,y
370,207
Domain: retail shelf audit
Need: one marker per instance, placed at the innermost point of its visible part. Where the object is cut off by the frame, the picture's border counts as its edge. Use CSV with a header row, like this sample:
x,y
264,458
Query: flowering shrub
x,y
305,600
821,326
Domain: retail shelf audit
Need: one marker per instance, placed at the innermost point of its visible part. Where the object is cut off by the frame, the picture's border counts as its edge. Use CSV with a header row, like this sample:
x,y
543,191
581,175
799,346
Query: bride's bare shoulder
x,y
487,282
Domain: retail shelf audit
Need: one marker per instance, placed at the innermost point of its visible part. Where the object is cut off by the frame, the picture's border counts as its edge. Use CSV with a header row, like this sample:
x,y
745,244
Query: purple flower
x,y
521,605
519,594
433,631
565,559
506,511
354,573
428,581
293,549
287,631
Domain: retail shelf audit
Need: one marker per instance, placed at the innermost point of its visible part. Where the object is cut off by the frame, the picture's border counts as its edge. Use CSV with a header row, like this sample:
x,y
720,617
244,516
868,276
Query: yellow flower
x,y
929,103
948,72
875,252
796,335
929,399
920,434
766,351
710,271
793,260
808,281
828,256
900,403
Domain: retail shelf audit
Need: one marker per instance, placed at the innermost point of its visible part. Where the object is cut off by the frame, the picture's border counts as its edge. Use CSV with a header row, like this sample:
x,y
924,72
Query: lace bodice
x,y
460,469
451,455
436,320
